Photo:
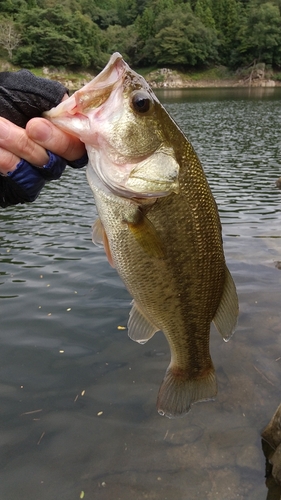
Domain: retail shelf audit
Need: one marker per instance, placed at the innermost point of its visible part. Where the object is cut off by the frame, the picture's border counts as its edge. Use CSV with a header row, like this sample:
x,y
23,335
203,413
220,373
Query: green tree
x,y
182,39
124,40
127,11
55,36
228,15
12,6
145,24
203,10
260,35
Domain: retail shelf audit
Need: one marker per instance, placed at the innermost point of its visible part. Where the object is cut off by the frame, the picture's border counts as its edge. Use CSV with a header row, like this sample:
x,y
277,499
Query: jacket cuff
x,y
28,178
54,168
79,163
32,179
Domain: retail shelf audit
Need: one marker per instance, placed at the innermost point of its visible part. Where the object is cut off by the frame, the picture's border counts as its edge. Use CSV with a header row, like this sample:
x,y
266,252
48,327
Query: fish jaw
x,y
72,114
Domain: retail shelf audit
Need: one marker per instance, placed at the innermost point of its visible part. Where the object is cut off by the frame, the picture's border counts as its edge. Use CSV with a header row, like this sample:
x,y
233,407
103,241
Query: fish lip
x,y
111,73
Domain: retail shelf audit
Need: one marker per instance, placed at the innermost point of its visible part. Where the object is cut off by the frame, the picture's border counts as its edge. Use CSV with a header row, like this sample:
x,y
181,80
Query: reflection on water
x,y
217,95
78,397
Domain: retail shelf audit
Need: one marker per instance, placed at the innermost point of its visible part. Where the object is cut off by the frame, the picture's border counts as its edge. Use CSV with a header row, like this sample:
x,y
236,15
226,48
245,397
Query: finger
x,y
8,161
50,137
16,140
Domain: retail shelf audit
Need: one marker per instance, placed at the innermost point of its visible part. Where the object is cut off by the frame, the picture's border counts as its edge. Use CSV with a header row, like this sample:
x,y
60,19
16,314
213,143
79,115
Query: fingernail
x,y
4,129
39,131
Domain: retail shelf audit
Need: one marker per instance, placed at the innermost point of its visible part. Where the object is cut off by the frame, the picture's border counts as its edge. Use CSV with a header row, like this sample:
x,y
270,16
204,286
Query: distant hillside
x,y
179,35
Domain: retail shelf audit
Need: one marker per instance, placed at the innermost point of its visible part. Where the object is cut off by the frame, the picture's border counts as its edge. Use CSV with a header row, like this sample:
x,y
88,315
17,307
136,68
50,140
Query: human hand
x,y
26,165
15,144
30,157
49,137
31,143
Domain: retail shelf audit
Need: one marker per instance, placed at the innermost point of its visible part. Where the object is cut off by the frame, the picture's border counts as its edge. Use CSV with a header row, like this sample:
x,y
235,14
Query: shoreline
x,y
166,78
74,84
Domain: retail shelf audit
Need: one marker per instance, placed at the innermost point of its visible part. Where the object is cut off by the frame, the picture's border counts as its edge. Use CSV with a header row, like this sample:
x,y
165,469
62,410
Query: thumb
x,y
50,137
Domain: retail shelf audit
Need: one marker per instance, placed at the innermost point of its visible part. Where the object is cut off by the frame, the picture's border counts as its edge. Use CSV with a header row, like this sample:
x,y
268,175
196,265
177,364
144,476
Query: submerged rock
x,y
272,435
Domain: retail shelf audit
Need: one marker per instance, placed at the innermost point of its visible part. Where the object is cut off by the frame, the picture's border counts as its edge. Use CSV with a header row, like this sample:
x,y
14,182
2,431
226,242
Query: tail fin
x,y
178,393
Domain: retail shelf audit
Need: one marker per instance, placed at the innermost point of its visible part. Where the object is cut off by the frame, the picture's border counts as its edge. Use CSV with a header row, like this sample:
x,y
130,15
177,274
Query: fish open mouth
x,y
91,96
112,72
102,85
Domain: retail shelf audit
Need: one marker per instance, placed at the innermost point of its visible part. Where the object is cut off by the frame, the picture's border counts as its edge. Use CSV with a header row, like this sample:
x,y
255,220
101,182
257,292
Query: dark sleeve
x,y
11,193
26,181
24,96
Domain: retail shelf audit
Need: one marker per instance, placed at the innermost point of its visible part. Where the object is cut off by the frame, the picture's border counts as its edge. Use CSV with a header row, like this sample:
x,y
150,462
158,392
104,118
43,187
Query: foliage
x,y
260,35
186,33
76,43
182,39
123,40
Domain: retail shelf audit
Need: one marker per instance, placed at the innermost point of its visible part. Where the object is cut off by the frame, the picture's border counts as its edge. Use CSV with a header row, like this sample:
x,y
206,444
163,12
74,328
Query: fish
x,y
159,225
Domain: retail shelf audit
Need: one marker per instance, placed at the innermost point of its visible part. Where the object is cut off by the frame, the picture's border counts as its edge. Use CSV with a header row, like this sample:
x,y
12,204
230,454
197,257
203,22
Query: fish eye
x,y
141,102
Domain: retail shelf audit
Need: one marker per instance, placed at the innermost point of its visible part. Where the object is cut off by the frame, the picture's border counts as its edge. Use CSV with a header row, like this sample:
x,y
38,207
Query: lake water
x,y
77,396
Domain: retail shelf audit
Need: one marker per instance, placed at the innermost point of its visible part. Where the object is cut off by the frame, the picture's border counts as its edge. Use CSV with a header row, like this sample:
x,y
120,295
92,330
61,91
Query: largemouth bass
x,y
159,225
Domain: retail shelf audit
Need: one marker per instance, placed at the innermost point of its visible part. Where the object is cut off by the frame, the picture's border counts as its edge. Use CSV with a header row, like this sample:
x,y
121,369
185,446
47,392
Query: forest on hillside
x,y
180,33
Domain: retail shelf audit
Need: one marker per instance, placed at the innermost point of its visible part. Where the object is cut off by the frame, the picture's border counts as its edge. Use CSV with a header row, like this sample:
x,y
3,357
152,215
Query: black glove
x,y
24,96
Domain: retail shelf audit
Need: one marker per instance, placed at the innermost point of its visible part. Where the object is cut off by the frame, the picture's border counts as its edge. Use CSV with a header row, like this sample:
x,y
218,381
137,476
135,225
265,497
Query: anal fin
x,y
226,315
140,329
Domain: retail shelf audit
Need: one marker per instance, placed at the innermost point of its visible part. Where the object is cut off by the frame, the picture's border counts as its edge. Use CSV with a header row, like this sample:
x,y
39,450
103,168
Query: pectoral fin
x,y
226,315
145,234
99,238
140,329
97,232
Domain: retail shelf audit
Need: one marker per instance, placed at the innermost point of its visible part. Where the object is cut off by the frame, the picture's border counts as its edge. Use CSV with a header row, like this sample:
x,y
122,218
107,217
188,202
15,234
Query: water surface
x,y
77,396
